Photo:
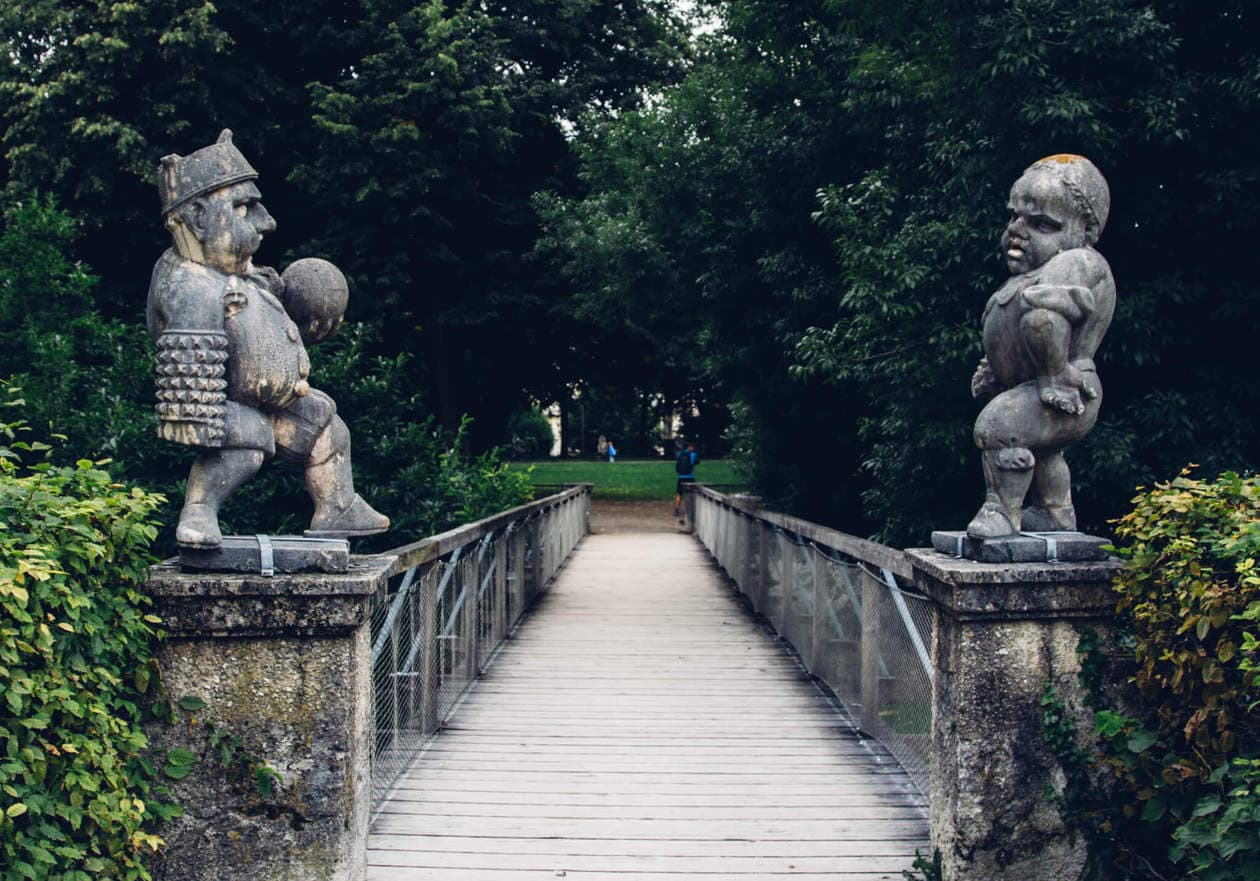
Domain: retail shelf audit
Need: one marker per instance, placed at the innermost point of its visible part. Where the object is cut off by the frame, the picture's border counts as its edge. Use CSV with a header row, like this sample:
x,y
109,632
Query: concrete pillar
x,y
1002,631
284,664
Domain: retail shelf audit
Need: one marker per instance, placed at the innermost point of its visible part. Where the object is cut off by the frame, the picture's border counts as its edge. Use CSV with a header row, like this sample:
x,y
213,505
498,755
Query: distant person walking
x,y
685,467
612,452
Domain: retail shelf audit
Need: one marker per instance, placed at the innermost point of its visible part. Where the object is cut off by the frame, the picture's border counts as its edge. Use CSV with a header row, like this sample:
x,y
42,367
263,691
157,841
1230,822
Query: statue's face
x,y
230,225
1043,221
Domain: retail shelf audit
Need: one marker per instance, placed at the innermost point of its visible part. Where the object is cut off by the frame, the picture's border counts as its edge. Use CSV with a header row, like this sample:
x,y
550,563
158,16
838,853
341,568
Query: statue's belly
x,y
268,364
1004,344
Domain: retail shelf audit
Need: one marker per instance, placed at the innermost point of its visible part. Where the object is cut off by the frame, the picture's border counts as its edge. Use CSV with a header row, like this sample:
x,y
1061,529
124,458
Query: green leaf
x,y
182,756
177,772
191,703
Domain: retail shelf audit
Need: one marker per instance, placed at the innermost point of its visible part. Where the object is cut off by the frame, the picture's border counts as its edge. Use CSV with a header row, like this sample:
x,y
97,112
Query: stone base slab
x,y
269,554
1023,547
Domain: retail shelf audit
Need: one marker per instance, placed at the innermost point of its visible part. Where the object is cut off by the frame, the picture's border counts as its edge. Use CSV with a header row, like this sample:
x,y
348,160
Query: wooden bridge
x,y
640,722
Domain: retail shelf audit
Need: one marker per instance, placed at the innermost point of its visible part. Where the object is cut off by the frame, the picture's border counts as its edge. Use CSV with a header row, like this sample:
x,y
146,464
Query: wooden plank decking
x,y
641,726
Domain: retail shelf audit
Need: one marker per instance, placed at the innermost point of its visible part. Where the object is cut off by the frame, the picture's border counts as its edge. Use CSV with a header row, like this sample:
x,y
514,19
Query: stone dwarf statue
x,y
1041,330
232,370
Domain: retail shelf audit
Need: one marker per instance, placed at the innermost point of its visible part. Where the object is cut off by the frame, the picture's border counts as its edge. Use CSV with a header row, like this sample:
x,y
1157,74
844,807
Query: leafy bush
x,y
75,657
1185,764
88,377
530,434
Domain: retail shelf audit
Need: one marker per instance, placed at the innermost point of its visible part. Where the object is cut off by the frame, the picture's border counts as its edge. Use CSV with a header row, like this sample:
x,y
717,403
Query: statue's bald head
x,y
1086,185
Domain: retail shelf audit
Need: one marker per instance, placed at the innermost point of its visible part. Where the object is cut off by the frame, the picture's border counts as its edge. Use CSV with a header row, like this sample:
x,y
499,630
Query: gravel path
x,y
608,516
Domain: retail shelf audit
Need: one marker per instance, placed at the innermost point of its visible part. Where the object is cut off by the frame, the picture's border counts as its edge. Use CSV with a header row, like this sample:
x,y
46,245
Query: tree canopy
x,y
788,221
827,188
402,140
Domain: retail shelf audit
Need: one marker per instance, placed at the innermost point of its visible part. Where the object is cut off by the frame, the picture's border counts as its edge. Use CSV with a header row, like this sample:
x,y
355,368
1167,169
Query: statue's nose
x,y
263,221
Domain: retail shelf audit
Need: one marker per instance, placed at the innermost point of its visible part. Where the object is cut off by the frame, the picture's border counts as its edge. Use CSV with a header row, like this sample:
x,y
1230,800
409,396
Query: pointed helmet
x,y
219,165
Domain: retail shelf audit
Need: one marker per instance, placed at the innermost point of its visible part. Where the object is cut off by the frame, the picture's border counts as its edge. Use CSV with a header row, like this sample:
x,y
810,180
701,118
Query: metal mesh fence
x,y
852,623
440,621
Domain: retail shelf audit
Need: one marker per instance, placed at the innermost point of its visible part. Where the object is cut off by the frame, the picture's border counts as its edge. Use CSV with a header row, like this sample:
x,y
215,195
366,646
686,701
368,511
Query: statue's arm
x,y
192,356
1066,285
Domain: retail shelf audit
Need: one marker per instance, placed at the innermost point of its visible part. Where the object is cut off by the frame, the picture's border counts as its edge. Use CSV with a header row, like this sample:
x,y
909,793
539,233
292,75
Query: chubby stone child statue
x,y
1041,330
232,367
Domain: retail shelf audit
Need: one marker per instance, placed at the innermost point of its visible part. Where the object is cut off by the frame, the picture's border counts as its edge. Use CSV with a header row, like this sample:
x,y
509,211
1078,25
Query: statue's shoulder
x,y
184,295
1077,266
175,277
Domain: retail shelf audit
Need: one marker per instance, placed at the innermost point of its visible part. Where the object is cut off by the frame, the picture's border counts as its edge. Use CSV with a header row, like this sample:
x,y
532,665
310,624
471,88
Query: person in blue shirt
x,y
685,466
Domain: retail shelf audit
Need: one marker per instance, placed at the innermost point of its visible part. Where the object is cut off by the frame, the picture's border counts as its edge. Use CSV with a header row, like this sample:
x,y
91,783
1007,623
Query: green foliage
x,y
924,869
76,647
83,376
1192,592
1180,760
402,139
825,194
530,435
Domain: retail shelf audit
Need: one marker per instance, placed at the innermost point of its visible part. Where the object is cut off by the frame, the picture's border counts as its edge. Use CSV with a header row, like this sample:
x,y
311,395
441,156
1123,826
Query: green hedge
x,y
1181,763
76,649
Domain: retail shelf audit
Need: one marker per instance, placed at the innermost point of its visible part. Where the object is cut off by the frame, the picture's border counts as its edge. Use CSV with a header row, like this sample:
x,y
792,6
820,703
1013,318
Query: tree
x,y
896,135
402,140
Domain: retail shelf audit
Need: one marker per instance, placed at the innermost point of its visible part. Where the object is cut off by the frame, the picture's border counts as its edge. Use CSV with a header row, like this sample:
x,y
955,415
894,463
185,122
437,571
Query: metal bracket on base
x,y
267,555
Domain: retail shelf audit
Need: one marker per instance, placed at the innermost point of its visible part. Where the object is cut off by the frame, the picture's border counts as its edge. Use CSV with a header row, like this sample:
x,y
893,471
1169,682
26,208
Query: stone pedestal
x,y
283,665
1002,632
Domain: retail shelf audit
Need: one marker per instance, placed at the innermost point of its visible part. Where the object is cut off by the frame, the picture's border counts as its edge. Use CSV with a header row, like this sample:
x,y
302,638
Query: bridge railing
x,y
846,606
450,602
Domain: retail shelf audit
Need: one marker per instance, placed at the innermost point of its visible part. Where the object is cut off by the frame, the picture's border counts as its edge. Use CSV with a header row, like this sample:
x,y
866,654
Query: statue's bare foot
x,y
991,521
1063,391
198,527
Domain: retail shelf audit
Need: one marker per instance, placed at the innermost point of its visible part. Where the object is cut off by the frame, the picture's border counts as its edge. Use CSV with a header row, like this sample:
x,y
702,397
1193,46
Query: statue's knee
x,y
334,439
1044,323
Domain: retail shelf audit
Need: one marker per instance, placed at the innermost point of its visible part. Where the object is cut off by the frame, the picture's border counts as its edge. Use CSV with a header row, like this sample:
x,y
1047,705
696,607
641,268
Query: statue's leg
x,y
1005,433
339,510
1052,489
1048,336
1008,473
214,477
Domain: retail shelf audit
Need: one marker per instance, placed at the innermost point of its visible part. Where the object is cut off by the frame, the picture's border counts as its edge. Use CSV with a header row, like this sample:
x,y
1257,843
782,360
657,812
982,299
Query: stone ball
x,y
315,296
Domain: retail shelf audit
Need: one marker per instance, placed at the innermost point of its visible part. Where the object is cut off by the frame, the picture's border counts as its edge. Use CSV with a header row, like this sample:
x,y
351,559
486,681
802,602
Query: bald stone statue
x,y
232,365
1041,330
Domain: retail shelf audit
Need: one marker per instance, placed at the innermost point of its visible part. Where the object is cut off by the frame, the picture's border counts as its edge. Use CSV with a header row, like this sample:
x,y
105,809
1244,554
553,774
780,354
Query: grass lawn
x,y
637,479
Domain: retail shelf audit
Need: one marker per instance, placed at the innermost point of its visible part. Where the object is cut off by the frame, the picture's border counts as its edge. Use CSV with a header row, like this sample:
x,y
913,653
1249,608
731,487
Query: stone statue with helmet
x,y
233,375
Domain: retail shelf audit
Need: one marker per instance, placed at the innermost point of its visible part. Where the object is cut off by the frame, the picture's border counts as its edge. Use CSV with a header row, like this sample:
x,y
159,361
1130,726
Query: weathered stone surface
x,y
233,373
283,664
228,604
1041,329
288,553
1001,633
1024,547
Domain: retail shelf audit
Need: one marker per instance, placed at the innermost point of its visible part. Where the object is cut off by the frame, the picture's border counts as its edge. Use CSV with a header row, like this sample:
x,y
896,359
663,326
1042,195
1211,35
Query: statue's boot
x,y
340,512
1008,472
214,477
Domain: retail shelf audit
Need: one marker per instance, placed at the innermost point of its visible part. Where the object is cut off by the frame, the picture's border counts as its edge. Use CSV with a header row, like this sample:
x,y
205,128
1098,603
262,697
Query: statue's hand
x,y
267,276
984,383
319,329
